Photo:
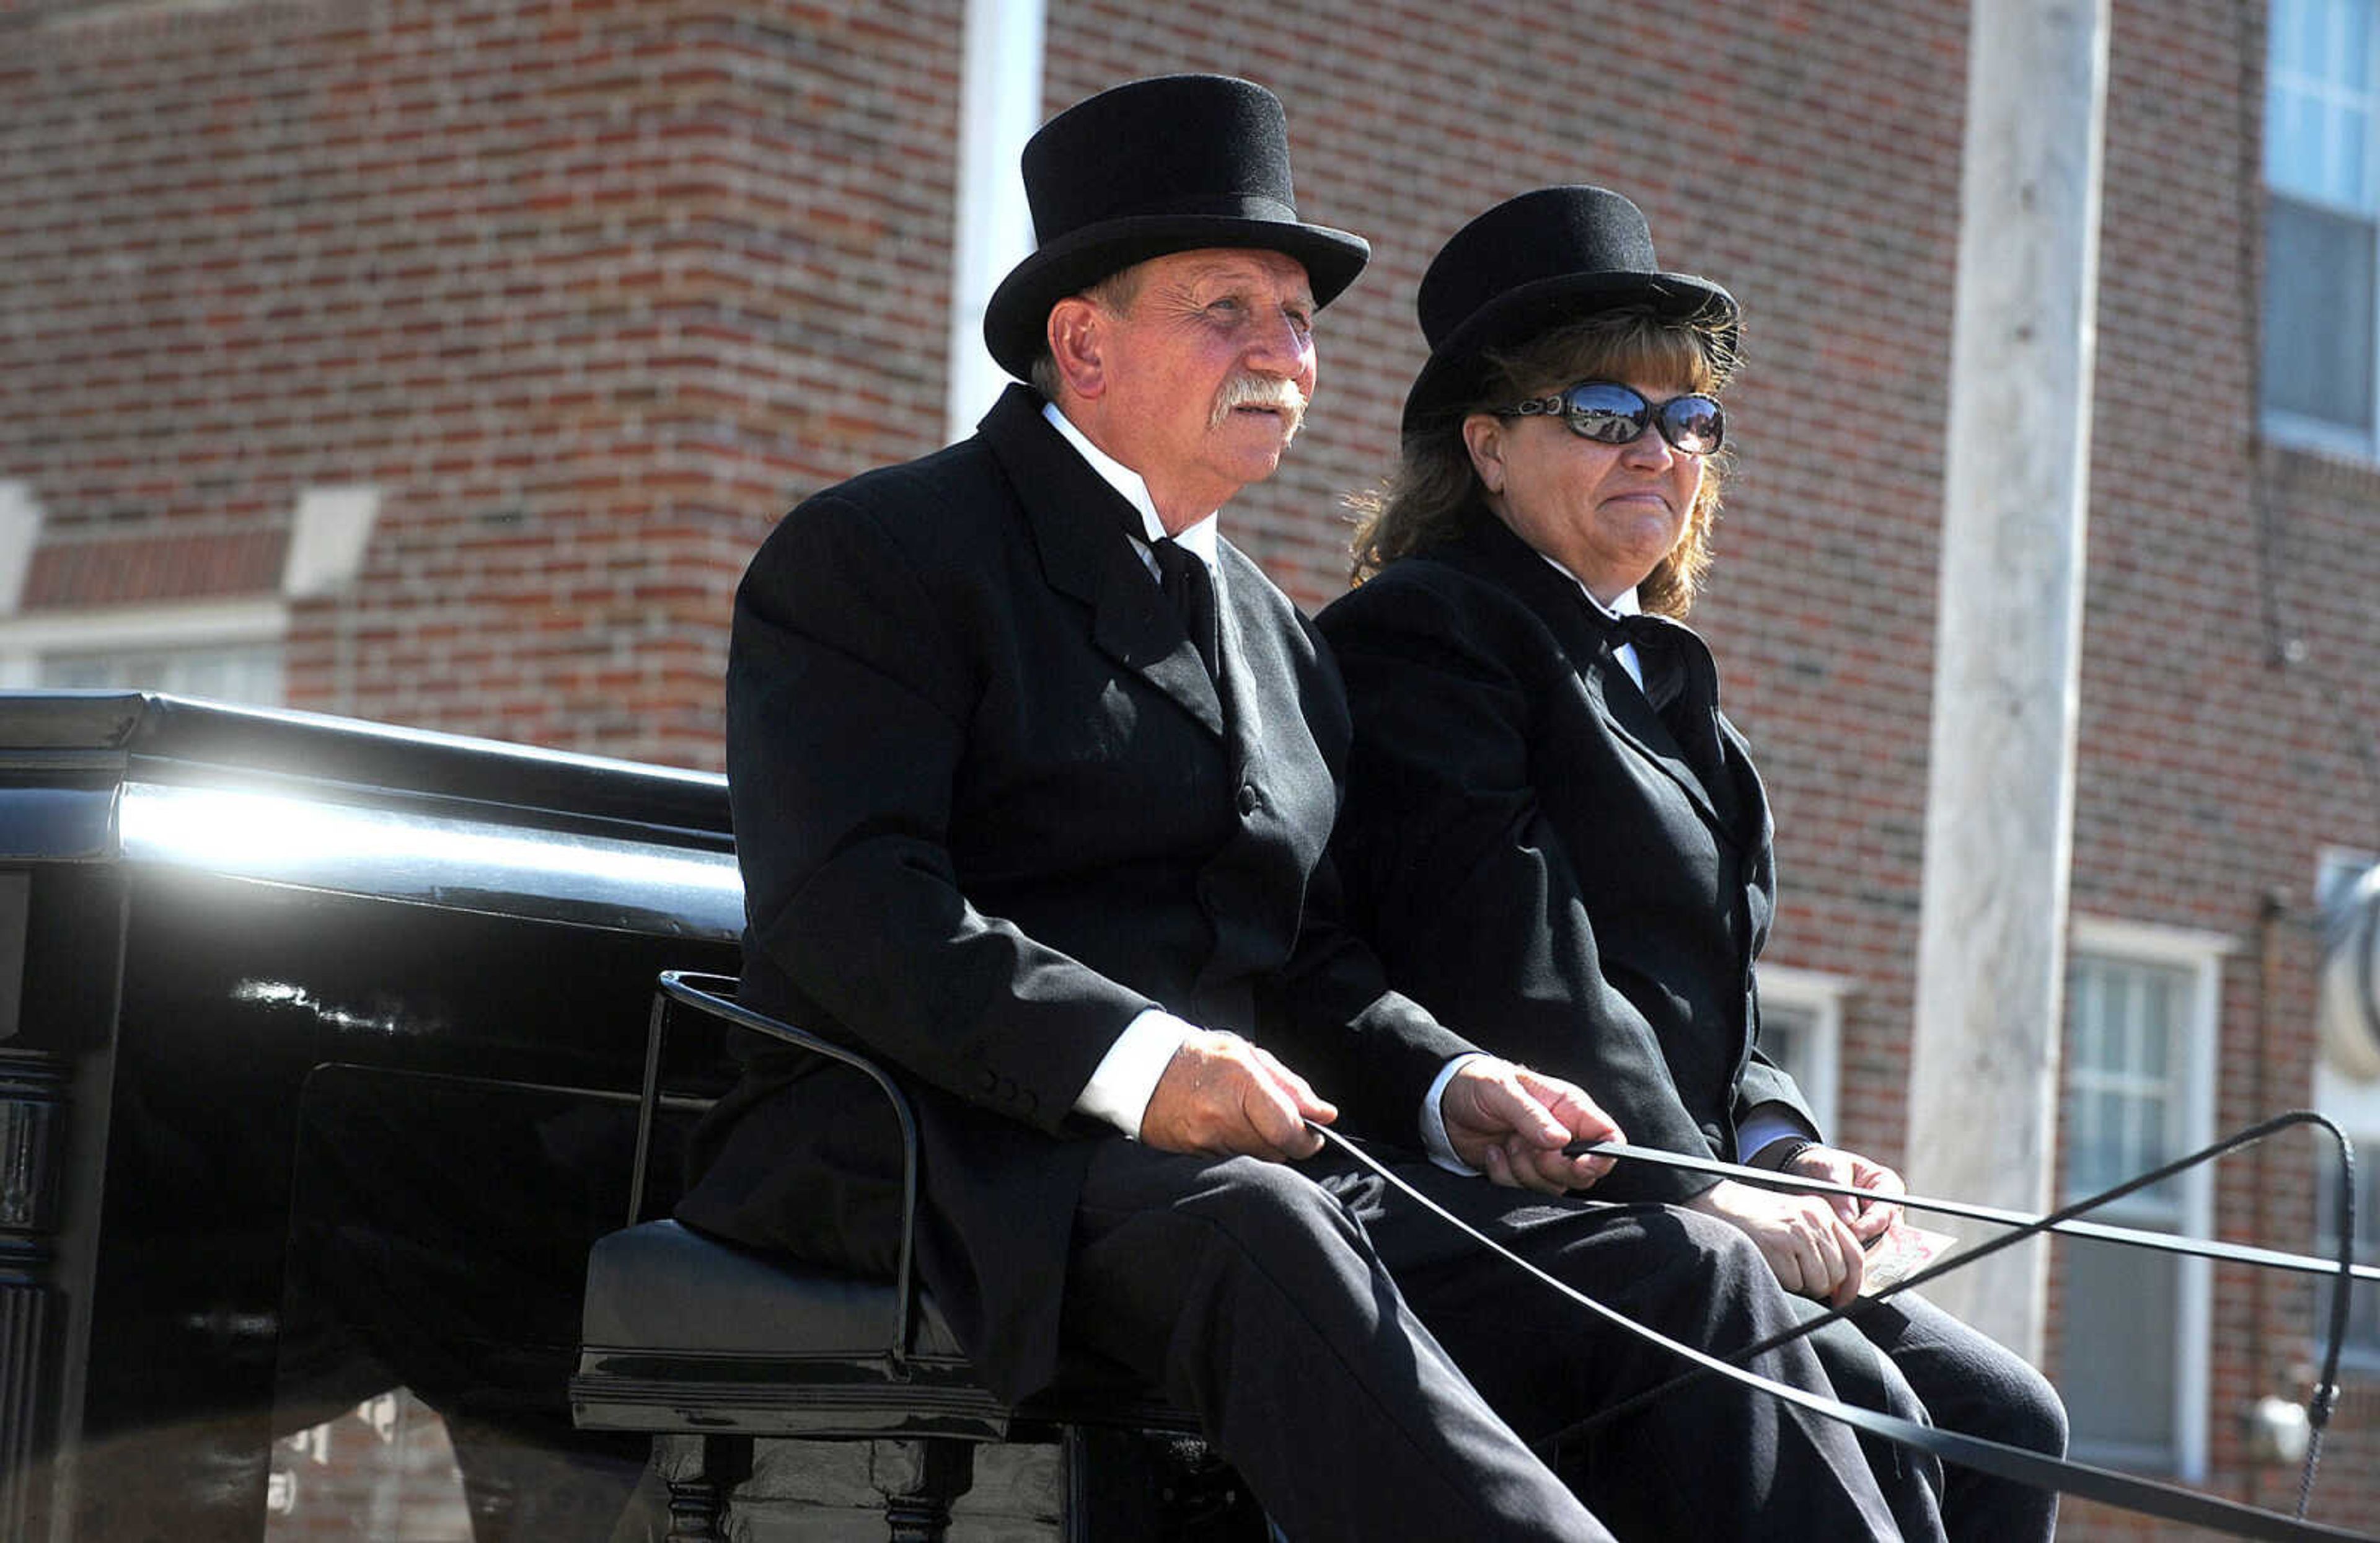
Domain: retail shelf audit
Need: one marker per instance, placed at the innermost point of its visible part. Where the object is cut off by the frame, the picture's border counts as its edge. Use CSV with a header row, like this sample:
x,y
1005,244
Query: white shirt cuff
x,y
1127,1079
1768,1122
1433,1121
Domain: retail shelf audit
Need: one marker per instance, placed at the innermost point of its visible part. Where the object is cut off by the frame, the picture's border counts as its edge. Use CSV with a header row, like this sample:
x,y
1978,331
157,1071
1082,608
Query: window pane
x,y
2091,1137
2113,1031
2123,1080
2155,1054
2363,1301
1785,1033
2318,292
2319,101
1799,1031
2117,1352
2289,138
246,672
2349,134
2131,1026
2297,35
2352,69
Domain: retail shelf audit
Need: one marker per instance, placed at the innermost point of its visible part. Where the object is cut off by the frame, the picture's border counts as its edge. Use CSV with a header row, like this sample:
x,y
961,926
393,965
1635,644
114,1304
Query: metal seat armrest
x,y
712,994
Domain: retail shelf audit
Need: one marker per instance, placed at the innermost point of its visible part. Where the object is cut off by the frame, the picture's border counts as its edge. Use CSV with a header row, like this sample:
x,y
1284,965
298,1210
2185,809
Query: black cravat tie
x,y
1191,589
1683,684
1659,657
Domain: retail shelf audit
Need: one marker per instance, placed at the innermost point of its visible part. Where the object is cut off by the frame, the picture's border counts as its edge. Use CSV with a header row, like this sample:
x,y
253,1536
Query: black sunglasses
x,y
1610,413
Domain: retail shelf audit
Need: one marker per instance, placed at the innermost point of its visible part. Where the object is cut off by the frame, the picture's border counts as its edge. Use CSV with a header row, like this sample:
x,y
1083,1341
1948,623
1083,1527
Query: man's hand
x,y
1812,1251
1868,1219
1225,1096
1512,1123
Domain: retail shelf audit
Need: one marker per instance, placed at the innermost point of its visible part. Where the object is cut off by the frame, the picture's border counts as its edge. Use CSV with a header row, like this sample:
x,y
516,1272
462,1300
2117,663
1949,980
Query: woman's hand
x,y
1868,1219
1812,1251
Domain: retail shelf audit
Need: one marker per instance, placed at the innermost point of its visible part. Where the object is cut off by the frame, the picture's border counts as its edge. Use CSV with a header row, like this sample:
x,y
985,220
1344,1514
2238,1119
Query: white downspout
x,y
999,106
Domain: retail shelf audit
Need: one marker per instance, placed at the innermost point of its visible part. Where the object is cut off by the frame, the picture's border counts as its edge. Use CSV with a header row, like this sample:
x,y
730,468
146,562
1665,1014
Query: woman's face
x,y
1608,513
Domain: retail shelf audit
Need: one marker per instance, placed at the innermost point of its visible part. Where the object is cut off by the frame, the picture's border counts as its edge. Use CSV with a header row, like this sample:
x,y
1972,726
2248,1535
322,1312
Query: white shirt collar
x,y
1623,604
1199,537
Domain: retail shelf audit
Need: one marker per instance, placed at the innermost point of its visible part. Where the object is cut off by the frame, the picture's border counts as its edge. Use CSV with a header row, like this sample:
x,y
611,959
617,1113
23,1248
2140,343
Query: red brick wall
x,y
590,290
594,290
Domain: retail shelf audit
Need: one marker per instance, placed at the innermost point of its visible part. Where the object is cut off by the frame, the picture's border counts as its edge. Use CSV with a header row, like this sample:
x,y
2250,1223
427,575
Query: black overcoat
x,y
1533,857
989,807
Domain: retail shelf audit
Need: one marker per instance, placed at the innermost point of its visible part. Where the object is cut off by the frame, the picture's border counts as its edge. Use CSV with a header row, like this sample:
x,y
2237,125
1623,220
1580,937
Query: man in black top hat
x,y
1032,775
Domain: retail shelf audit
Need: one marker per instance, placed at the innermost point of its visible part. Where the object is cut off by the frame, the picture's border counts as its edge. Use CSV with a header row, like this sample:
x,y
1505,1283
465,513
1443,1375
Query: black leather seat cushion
x,y
660,1288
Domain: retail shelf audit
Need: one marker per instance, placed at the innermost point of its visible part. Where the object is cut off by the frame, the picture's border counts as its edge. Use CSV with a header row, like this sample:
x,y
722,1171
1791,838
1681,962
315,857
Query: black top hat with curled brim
x,y
1532,263
1154,166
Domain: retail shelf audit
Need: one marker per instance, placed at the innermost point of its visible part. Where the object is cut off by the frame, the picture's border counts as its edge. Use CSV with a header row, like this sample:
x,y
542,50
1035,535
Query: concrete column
x,y
1999,798
999,106
20,532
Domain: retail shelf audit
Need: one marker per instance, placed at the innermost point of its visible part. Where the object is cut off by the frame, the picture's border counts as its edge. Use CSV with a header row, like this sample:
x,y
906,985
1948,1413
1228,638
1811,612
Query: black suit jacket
x,y
989,806
1533,857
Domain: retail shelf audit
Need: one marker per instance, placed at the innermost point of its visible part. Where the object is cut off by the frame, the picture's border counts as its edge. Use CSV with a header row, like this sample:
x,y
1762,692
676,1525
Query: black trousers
x,y
1373,1374
1911,1358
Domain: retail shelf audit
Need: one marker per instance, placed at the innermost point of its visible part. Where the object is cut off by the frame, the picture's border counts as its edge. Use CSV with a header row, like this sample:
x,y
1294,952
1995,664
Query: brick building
x,y
442,363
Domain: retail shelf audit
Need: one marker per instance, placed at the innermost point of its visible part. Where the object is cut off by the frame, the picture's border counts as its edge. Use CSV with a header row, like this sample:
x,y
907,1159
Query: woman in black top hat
x,y
1553,834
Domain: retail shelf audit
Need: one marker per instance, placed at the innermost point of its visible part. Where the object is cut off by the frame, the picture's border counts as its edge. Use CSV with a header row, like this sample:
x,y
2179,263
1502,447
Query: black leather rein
x,y
2022,1466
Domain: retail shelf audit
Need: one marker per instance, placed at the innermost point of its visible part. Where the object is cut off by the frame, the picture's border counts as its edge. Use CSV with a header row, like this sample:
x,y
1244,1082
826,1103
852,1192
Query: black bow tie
x,y
1664,651
1681,683
1643,628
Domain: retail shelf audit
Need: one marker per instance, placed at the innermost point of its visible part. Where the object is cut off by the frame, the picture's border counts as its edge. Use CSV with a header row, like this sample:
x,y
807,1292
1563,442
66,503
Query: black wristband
x,y
1790,1147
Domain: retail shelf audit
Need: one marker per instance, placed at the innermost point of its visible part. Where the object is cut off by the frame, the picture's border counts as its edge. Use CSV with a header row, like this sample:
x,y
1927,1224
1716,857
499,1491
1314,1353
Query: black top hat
x,y
1154,166
1536,262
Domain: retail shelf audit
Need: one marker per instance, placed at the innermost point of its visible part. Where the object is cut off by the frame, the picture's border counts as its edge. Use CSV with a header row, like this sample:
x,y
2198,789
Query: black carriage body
x,y
319,1044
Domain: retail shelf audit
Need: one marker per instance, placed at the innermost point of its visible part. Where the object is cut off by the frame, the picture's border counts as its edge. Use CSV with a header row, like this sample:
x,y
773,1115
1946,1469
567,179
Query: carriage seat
x,y
712,1348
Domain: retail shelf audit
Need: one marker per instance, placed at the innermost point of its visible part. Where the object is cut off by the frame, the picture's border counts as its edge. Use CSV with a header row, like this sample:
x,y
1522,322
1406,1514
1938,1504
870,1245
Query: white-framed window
x,y
2320,368
2361,1349
2142,1005
2354,1103
1802,1030
228,650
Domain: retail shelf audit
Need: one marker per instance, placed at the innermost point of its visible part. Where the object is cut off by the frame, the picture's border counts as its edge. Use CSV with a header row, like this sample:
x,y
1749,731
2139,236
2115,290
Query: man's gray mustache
x,y
1259,391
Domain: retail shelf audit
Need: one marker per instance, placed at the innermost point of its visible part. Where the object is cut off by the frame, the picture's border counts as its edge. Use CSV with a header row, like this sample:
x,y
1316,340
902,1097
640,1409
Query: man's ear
x,y
1483,435
1077,339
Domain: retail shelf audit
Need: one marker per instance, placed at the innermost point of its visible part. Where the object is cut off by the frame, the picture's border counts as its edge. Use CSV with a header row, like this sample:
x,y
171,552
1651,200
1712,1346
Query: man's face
x,y
1203,376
